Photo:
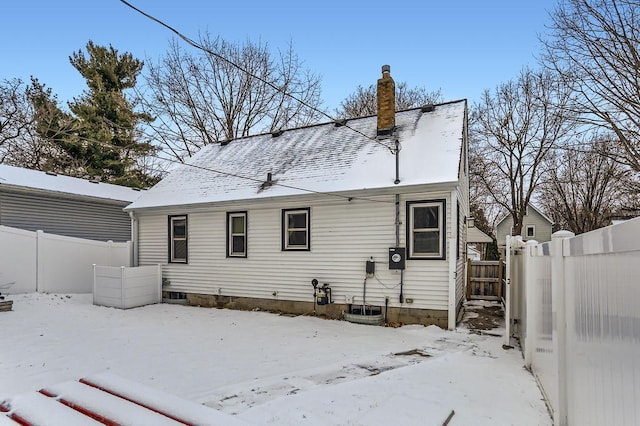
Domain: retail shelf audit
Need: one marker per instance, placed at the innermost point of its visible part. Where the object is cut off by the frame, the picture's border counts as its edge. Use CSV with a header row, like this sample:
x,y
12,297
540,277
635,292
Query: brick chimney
x,y
386,102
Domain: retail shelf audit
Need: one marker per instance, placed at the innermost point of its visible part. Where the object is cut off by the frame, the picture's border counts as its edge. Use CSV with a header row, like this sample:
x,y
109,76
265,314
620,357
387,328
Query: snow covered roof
x,y
322,158
536,209
37,180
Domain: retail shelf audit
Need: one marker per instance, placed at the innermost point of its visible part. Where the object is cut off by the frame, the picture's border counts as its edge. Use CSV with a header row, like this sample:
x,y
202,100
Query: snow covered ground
x,y
271,369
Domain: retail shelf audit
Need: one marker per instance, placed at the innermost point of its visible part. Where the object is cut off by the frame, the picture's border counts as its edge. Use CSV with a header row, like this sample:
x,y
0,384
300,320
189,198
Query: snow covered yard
x,y
271,369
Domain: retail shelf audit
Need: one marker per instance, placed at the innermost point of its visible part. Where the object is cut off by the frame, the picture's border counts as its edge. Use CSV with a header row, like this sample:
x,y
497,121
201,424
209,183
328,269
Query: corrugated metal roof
x,y
319,158
34,179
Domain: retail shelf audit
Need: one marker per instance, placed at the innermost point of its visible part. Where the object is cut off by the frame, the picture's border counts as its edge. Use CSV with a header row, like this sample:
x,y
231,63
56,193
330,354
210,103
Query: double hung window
x,y
425,230
178,239
237,234
295,229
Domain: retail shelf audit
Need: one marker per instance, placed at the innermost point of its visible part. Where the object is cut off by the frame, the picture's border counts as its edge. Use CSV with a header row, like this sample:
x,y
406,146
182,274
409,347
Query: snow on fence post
x,y
559,321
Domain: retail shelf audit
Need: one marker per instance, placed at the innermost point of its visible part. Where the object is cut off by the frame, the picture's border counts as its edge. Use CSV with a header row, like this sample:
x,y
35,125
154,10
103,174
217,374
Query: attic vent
x,y
51,173
136,189
277,133
225,142
428,108
94,181
340,123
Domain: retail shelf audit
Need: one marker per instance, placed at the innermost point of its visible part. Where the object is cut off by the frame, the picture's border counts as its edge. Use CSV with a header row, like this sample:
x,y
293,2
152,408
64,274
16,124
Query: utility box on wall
x,y
396,257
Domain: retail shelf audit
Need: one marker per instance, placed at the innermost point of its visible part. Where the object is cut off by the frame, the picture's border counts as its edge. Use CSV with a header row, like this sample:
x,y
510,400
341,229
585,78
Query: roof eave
x,y
352,193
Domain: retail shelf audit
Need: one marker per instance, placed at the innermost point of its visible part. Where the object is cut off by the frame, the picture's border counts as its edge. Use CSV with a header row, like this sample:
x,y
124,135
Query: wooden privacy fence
x,y
485,279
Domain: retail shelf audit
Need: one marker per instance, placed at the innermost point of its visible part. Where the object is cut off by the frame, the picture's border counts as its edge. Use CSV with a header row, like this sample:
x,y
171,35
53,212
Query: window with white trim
x,y
236,234
178,239
425,229
295,229
530,231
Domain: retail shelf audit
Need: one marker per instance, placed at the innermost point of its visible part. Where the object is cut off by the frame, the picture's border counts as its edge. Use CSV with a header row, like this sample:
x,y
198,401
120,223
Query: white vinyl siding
x,y
344,235
463,199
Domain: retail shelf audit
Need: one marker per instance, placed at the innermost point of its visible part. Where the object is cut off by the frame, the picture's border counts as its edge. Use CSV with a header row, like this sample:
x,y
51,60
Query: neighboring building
x,y
477,242
63,205
473,253
249,223
535,226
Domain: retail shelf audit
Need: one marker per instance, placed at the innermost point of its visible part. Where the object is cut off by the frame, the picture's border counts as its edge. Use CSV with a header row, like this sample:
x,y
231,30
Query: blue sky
x,y
459,46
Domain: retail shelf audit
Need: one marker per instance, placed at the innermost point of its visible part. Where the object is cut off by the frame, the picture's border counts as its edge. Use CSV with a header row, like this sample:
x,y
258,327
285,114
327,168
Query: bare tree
x,y
363,101
512,131
594,46
199,99
15,117
584,186
20,143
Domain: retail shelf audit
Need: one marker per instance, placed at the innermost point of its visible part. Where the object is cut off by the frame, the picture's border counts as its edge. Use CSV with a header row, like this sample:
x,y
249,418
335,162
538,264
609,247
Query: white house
x,y
252,222
535,226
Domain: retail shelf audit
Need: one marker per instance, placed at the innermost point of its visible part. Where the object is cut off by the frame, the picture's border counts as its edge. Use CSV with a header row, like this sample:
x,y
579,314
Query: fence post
x,y
531,306
507,296
110,256
39,261
94,283
159,277
122,288
468,292
559,321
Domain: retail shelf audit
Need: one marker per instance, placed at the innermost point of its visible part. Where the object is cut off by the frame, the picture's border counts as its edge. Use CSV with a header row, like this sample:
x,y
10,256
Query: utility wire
x,y
222,172
198,46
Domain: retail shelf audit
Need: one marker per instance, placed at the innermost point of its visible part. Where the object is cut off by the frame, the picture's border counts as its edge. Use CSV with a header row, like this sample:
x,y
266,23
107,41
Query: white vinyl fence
x,y
126,288
36,261
581,332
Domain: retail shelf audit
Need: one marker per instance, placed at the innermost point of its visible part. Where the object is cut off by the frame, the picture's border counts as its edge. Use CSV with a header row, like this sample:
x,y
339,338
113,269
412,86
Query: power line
x,y
198,46
222,172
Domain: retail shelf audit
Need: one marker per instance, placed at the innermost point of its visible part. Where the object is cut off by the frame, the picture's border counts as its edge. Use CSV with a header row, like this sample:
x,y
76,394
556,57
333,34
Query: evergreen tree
x,y
103,142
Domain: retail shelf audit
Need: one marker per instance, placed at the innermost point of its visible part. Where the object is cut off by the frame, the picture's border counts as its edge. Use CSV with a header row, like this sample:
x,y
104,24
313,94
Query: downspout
x,y
134,239
397,181
453,262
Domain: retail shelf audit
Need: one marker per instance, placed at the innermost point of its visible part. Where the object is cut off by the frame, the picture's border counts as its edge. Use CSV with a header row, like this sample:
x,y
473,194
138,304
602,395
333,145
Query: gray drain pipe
x,y
401,298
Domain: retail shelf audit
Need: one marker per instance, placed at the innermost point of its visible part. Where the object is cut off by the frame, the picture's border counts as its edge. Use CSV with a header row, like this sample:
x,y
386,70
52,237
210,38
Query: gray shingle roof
x,y
319,158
